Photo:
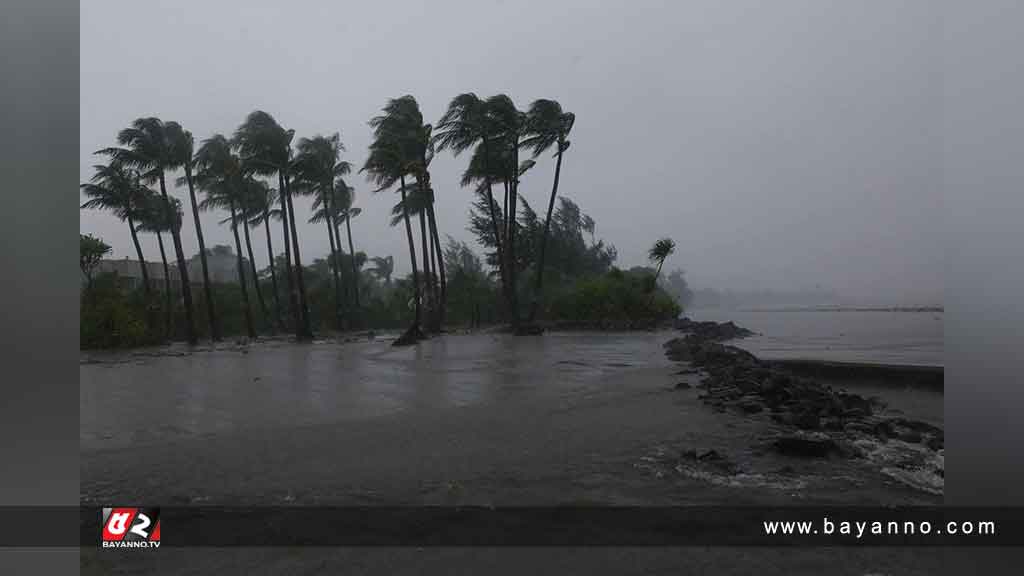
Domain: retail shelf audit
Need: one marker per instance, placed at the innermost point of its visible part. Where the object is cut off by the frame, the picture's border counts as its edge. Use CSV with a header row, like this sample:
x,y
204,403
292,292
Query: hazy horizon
x,y
783,146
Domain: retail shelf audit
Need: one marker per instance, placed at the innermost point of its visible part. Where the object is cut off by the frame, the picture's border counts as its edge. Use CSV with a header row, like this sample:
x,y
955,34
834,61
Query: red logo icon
x,y
131,528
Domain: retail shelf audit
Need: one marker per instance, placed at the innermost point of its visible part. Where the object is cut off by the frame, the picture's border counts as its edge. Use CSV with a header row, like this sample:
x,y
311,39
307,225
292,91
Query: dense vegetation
x,y
535,268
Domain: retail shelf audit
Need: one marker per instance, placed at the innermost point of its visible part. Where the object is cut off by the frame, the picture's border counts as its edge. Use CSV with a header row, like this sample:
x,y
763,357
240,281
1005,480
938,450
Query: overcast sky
x,y
782,144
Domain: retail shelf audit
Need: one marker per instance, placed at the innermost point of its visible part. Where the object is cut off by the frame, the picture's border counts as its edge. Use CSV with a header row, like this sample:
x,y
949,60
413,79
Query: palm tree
x,y
383,267
265,148
181,143
116,188
145,147
661,250
252,191
160,216
403,121
467,121
261,203
386,165
345,196
316,166
547,125
219,175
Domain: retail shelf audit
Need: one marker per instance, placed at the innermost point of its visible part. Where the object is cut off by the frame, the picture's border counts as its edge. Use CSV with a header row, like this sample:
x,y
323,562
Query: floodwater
x,y
565,418
862,336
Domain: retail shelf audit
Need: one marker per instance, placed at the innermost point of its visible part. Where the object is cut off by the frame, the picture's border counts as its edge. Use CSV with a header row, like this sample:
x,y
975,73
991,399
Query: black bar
x,y
516,526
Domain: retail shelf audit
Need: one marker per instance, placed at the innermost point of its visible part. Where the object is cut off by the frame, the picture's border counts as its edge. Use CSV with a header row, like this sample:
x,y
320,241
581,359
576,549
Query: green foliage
x,y
112,317
615,300
90,251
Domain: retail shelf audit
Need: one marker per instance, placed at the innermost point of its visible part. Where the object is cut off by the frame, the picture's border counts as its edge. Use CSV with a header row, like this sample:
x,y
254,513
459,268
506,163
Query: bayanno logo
x,y
131,528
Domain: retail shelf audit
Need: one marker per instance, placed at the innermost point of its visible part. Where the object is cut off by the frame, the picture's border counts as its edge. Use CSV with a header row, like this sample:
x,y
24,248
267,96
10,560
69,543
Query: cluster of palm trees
x,y
233,174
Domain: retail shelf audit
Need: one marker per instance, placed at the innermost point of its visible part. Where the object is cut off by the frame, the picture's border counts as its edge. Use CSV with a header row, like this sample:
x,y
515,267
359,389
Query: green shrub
x,y
616,300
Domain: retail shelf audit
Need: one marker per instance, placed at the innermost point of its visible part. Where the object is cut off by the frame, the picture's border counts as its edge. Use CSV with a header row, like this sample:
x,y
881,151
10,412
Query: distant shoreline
x,y
916,309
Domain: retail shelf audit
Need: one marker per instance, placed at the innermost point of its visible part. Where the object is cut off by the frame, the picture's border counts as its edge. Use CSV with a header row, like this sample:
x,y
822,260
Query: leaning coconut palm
x,y
116,189
316,166
385,166
547,125
345,197
160,216
252,191
265,149
466,122
261,202
145,147
403,121
181,144
219,175
416,203
661,250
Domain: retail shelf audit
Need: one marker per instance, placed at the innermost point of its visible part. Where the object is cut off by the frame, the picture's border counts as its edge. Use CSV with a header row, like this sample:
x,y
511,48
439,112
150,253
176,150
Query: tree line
x,y
236,174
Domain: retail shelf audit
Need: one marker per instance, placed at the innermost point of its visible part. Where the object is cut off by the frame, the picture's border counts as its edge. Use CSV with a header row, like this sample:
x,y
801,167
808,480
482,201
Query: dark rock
x,y
807,420
806,445
683,386
709,455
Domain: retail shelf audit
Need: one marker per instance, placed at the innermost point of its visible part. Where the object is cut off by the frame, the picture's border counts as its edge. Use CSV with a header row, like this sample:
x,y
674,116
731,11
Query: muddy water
x,y
481,419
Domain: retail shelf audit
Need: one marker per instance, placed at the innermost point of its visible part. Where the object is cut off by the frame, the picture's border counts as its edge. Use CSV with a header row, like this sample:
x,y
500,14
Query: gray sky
x,y
781,144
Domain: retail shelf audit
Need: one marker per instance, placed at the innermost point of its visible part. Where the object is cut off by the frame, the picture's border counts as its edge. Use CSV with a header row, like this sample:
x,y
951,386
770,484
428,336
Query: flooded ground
x,y
566,418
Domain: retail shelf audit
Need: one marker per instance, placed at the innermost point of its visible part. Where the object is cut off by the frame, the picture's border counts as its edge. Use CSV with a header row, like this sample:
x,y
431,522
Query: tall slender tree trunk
x,y
273,273
168,311
250,329
255,275
303,331
335,263
207,287
539,285
332,264
355,269
186,289
513,297
440,261
142,262
293,299
426,268
494,220
412,256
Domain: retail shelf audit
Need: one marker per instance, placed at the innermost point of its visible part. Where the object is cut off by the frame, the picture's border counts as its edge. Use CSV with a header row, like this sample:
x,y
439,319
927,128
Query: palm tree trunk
x,y
332,263
494,220
355,269
207,288
167,286
513,297
440,261
412,256
335,264
426,265
186,289
538,287
303,331
241,275
142,261
292,296
255,276
273,273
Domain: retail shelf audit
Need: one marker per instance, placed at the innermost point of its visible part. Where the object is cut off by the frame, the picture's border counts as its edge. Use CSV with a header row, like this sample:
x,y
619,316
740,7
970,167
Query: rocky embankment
x,y
818,420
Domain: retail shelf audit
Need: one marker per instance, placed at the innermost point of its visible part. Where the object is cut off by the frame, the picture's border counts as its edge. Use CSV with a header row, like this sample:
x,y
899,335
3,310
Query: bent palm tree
x,y
145,147
661,250
181,144
261,204
160,216
265,149
316,166
117,189
386,165
547,125
219,175
466,122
